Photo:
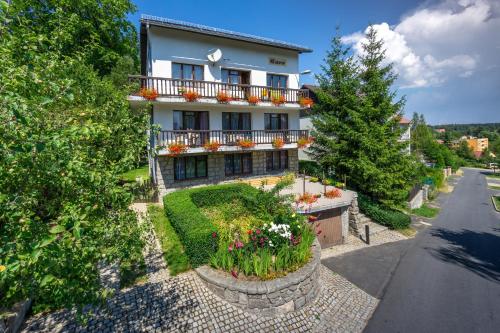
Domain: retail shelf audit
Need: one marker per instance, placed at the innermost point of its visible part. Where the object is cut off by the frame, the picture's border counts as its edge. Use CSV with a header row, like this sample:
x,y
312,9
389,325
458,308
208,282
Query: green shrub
x,y
383,215
310,168
171,245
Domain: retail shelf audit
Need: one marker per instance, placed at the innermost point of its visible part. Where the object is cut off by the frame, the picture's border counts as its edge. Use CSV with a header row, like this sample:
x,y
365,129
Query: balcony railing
x,y
209,89
193,138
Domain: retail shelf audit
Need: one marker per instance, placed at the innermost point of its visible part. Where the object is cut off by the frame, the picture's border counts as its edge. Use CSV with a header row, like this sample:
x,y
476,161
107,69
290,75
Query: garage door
x,y
329,227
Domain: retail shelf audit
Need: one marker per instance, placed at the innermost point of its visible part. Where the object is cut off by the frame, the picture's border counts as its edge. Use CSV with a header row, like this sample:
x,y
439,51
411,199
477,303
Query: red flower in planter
x,y
190,96
306,102
149,94
212,146
246,143
176,149
253,100
303,142
223,97
278,100
278,143
306,198
332,194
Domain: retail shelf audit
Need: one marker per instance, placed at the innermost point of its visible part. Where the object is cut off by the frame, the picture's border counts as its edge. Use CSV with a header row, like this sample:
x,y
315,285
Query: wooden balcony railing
x,y
209,89
193,138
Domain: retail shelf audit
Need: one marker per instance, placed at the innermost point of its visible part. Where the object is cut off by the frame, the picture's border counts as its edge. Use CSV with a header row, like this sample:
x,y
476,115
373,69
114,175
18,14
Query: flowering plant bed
x,y
246,143
149,94
223,97
306,102
332,194
306,198
278,143
176,149
254,100
190,96
212,146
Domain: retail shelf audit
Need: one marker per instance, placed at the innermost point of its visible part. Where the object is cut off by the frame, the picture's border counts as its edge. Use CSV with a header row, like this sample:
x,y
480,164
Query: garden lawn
x,y
171,246
131,175
496,175
496,200
425,211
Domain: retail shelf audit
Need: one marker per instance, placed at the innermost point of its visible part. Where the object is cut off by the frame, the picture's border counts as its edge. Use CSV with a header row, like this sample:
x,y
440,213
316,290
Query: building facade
x,y
227,104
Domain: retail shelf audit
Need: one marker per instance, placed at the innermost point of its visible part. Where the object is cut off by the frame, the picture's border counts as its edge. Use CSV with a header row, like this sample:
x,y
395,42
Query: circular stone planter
x,y
288,293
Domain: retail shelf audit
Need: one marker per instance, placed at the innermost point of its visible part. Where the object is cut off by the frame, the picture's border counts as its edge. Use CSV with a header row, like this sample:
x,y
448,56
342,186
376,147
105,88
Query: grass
x,y
425,211
493,175
172,248
493,187
131,175
408,232
496,202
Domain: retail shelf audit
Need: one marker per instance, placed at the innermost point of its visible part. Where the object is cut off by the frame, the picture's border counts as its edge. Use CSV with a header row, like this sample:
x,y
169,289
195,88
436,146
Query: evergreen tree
x,y
356,123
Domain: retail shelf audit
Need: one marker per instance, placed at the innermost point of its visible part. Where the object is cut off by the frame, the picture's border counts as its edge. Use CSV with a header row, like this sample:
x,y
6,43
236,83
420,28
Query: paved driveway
x,y
449,278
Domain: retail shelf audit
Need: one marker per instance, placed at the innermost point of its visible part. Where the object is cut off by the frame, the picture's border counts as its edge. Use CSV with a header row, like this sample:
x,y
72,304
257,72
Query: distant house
x,y
405,125
440,130
477,145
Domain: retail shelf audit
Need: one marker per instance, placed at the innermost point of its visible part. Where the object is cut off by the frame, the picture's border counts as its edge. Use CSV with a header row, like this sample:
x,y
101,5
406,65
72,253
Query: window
x,y
187,72
238,164
275,121
277,81
277,160
190,167
236,121
233,76
191,120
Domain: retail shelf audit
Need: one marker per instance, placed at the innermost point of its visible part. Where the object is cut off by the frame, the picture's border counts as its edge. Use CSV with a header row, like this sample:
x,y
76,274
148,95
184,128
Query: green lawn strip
x,y
496,202
171,246
131,175
493,187
425,211
493,175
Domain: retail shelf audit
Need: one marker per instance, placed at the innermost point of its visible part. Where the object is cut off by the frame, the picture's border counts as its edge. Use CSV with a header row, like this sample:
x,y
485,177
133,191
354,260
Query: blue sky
x,y
446,52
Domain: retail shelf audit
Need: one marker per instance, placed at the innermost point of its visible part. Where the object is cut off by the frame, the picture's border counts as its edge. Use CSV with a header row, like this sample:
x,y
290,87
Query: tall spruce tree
x,y
356,122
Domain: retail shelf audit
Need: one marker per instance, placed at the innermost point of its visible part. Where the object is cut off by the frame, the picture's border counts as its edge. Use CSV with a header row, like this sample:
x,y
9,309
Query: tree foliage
x,y
66,133
356,122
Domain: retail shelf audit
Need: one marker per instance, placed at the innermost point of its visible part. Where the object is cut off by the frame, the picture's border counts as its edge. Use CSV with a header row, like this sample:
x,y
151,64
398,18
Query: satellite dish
x,y
214,55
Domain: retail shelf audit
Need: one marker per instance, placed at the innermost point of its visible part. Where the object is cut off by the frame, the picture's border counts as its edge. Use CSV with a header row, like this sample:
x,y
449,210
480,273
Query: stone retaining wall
x,y
268,298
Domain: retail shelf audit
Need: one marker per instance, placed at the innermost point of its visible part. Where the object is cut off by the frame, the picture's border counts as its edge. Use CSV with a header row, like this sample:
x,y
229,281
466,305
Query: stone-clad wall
x,y
216,173
272,297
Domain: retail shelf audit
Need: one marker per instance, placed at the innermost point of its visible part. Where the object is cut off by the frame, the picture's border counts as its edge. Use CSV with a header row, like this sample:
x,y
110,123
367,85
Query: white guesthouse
x,y
195,70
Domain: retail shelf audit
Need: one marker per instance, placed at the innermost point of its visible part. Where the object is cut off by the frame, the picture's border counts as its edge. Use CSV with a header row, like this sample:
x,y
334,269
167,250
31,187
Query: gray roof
x,y
203,29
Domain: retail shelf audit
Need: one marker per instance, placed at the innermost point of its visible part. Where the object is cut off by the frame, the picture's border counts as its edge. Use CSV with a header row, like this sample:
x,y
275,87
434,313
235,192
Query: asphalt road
x,y
448,279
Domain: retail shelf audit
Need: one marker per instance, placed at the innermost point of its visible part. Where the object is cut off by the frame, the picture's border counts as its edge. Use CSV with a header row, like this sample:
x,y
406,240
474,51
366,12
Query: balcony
x,y
229,140
209,90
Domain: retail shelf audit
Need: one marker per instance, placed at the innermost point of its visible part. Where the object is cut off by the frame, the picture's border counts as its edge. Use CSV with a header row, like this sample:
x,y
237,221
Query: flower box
x,y
212,146
306,102
332,194
278,143
304,142
246,143
190,96
223,97
253,100
278,100
149,94
306,198
176,149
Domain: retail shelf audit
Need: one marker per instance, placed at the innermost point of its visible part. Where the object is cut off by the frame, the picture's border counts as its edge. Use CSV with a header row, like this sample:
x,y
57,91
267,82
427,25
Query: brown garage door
x,y
329,227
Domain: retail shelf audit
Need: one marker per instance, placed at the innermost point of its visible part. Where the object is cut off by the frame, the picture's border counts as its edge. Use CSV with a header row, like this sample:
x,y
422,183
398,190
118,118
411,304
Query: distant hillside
x,y
471,129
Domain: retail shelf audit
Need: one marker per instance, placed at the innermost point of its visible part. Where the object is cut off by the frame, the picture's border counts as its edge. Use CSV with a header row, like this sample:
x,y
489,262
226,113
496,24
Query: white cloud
x,y
433,45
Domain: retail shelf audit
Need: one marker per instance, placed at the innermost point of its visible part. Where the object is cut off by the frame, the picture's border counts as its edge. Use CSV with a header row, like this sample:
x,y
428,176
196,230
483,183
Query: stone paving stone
x,y
183,304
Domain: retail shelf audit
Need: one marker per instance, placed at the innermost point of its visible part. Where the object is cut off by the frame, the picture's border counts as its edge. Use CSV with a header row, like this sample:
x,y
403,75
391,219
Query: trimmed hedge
x,y
388,217
193,227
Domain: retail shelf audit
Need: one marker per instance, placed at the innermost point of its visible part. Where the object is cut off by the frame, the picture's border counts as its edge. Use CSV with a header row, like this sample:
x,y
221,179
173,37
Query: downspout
x,y
152,158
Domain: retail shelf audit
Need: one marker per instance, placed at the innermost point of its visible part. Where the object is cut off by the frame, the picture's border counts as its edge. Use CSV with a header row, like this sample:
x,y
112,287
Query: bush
x,y
383,215
310,168
171,245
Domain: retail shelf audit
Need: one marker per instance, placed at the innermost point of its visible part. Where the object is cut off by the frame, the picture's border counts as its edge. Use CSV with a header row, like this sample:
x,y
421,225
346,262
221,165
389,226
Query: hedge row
x,y
388,217
193,227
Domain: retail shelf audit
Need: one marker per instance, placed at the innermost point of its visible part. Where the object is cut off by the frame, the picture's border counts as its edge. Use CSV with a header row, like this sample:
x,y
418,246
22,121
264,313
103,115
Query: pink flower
x,y
230,248
214,234
234,273
239,245
257,231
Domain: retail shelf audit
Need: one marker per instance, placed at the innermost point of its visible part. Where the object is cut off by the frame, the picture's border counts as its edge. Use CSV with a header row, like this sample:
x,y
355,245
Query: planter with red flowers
x,y
212,146
334,193
149,93
278,143
306,102
278,100
190,95
223,97
175,149
246,143
304,142
253,100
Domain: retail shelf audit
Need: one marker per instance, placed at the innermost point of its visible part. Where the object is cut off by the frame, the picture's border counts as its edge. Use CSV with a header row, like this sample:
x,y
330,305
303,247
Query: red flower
x,y
318,233
214,234
239,244
230,248
257,231
312,218
249,232
234,273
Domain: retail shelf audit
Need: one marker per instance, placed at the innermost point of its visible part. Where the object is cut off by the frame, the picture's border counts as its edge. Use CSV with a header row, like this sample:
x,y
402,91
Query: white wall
x,y
167,46
164,116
